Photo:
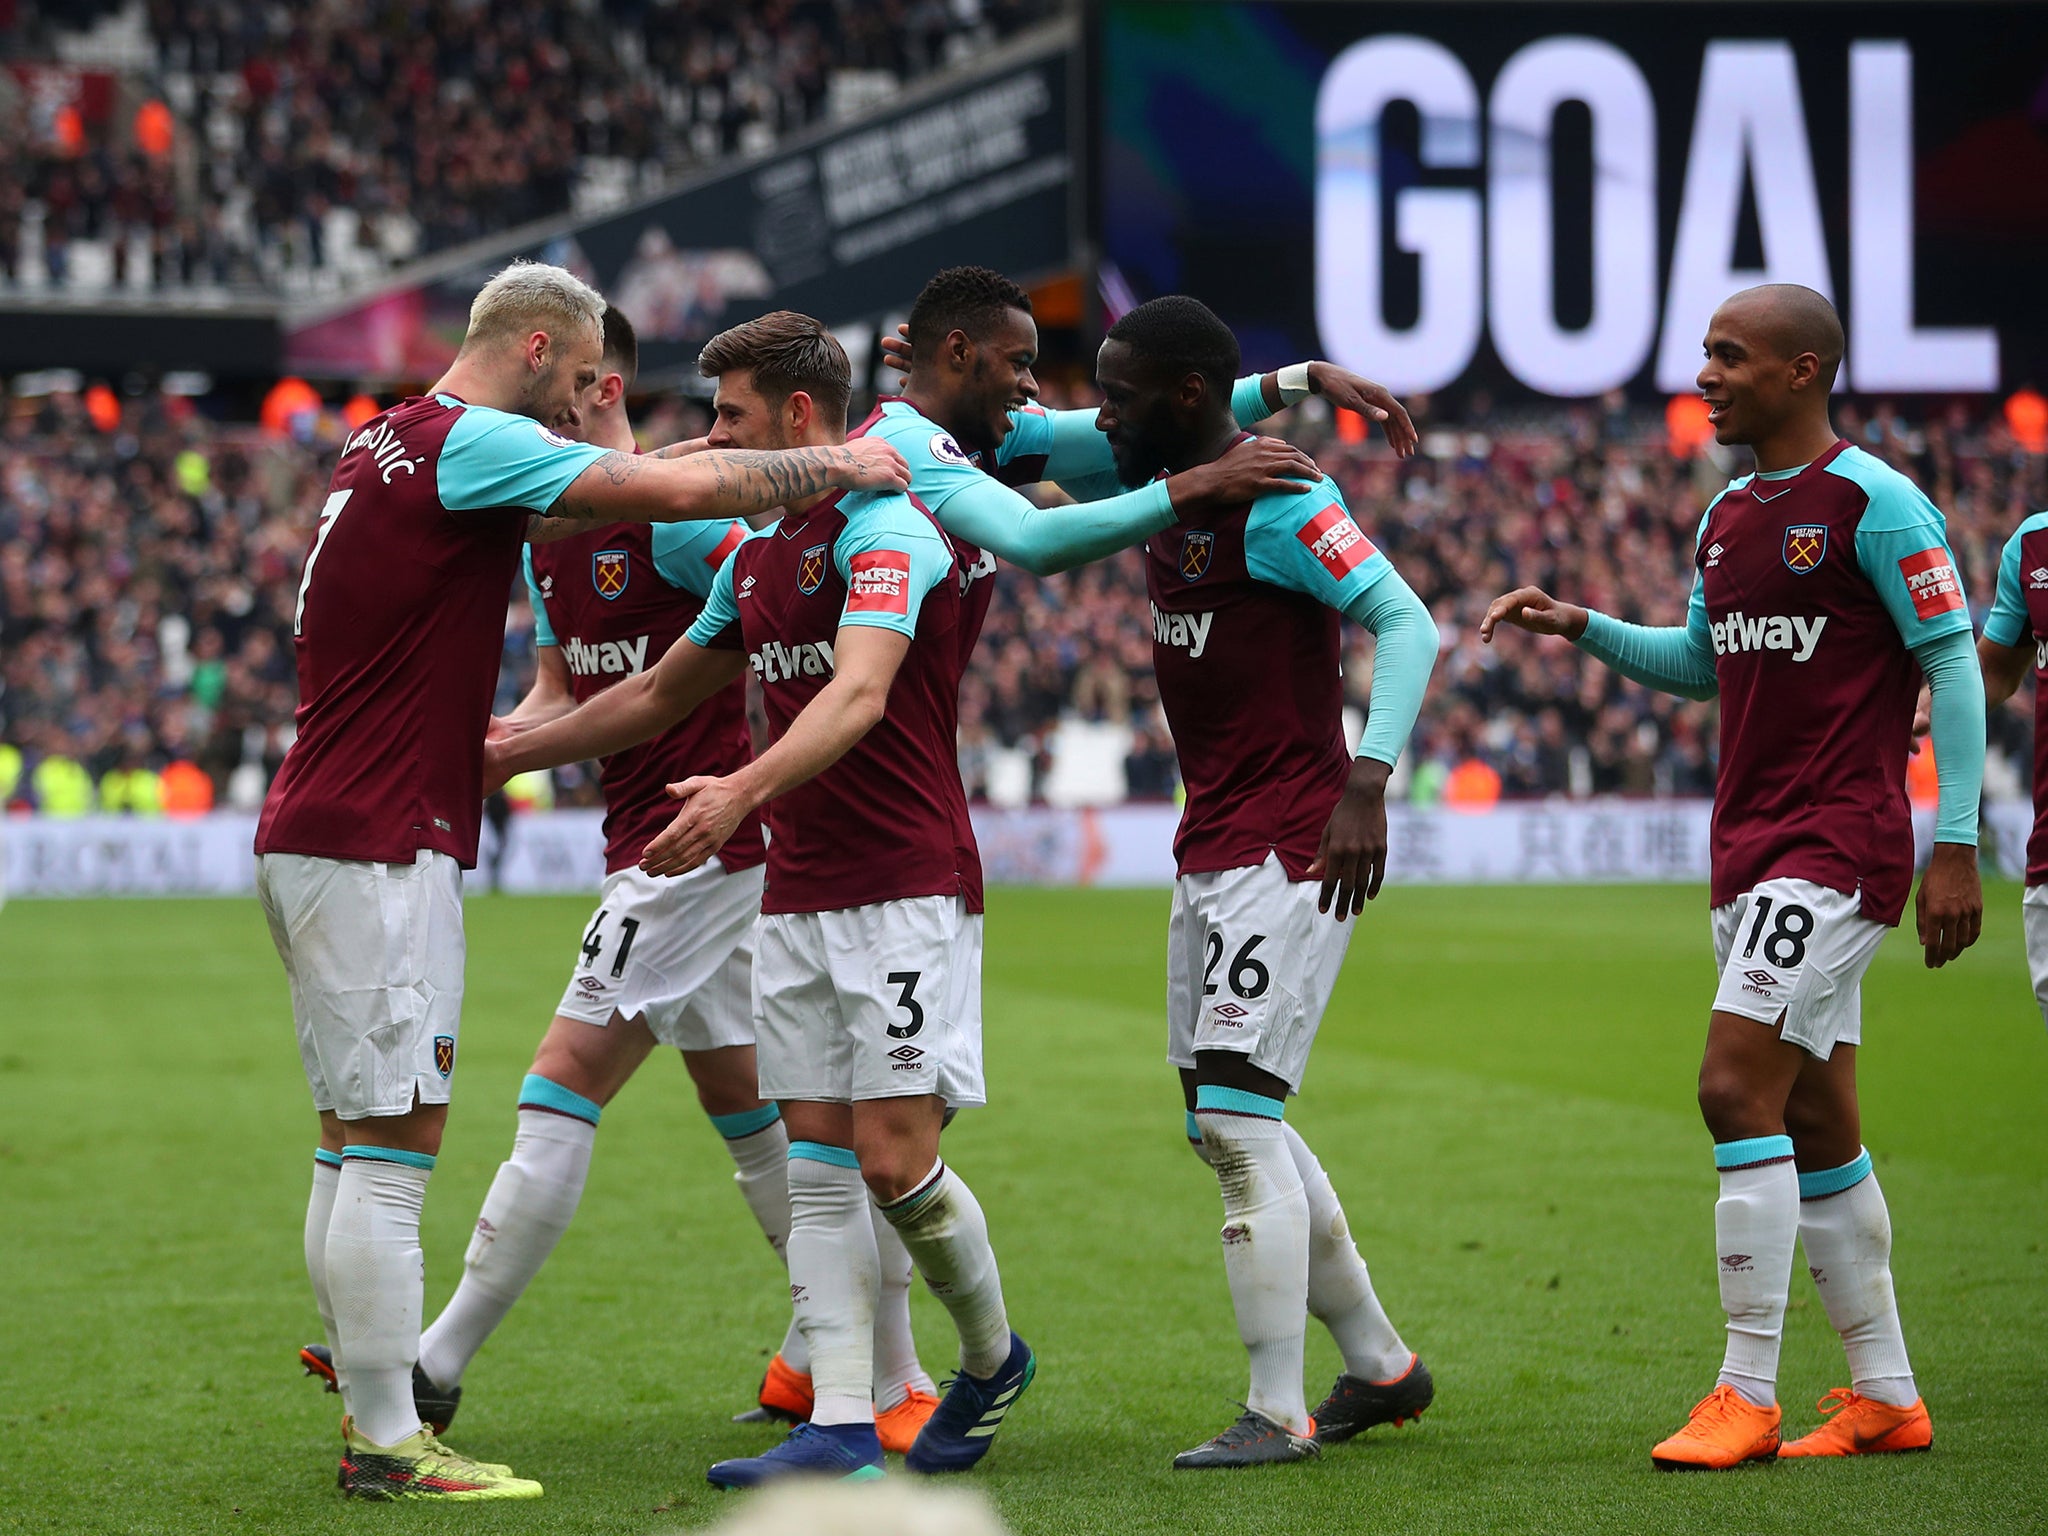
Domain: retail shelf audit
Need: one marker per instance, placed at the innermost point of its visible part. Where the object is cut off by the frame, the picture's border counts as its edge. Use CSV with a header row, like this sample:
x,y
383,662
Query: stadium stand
x,y
149,560
224,144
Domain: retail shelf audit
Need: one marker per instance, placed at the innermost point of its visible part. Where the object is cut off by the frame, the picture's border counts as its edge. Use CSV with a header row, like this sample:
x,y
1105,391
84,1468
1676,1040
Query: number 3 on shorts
x,y
907,1001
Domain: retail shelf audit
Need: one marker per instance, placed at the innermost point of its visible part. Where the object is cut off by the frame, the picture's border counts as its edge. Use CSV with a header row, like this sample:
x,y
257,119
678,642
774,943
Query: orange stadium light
x,y
288,398
103,407
2026,413
1686,427
155,129
360,410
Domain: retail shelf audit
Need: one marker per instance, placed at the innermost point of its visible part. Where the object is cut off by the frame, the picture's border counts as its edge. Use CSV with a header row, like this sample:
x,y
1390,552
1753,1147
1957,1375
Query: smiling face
x,y
1137,414
1752,388
743,418
997,380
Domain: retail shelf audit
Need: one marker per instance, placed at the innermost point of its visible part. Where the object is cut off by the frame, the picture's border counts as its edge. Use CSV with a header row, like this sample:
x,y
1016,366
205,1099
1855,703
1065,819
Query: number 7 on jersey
x,y
328,513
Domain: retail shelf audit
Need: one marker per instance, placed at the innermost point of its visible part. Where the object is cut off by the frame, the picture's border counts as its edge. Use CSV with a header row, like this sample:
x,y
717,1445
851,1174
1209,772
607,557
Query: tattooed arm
x,y
626,487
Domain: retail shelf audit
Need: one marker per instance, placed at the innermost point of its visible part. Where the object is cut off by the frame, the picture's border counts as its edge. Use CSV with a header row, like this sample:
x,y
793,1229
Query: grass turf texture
x,y
1502,1092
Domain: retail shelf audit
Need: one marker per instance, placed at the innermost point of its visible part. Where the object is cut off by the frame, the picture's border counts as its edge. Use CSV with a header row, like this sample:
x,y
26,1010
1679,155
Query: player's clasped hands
x,y
1535,610
874,466
712,809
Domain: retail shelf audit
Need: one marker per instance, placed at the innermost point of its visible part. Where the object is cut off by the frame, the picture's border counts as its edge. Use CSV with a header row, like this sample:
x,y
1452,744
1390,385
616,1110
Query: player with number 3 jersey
x,y
1825,589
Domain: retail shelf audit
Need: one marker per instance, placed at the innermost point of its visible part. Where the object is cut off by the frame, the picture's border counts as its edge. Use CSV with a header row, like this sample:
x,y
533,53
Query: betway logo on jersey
x,y
1739,632
622,657
1183,631
778,663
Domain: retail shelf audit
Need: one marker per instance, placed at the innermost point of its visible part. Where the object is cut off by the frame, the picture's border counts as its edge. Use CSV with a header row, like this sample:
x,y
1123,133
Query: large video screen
x,y
1553,198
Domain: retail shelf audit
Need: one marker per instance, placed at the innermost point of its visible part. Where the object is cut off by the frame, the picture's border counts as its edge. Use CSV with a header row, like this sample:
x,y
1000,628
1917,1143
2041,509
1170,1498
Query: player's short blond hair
x,y
531,296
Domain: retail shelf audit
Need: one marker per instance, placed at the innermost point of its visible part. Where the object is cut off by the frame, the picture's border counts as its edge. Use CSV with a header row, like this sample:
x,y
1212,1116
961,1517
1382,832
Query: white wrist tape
x,y
1294,386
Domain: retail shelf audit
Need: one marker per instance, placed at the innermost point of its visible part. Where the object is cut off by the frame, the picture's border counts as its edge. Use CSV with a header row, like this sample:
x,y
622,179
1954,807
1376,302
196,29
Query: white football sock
x,y
1340,1290
1265,1243
1847,1233
530,1205
941,1225
1755,1222
759,1144
375,1274
319,1216
898,1372
833,1277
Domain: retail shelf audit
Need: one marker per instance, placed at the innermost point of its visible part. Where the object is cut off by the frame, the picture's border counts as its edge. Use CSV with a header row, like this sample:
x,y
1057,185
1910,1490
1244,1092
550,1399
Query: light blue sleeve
x,y
688,555
1042,540
493,459
543,631
1307,541
1066,440
889,555
939,467
1248,400
1955,709
1404,653
1671,658
720,613
1902,547
2008,623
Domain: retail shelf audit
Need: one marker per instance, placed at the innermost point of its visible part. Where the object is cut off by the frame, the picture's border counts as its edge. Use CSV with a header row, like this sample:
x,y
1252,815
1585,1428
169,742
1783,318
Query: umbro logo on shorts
x,y
1736,1263
1230,1013
1761,978
907,1058
1237,1232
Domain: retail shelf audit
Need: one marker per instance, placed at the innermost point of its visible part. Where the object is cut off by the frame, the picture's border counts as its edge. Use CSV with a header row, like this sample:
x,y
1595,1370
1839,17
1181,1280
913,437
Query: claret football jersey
x,y
888,820
1247,645
1813,588
399,627
613,600
2019,614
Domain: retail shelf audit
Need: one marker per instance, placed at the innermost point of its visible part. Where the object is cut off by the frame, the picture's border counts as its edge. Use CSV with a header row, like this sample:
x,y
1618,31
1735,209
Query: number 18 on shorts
x,y
1798,949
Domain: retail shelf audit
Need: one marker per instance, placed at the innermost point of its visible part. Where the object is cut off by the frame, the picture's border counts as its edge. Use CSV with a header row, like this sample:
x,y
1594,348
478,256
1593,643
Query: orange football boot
x,y
1725,1430
786,1393
1862,1426
897,1428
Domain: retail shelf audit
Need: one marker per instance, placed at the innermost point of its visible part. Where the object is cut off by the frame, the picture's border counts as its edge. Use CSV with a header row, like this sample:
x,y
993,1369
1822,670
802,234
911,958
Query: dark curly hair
x,y
1180,336
970,299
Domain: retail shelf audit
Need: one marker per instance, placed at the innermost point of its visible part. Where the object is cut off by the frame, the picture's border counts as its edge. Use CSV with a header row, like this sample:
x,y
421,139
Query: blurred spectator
x,y
274,142
148,574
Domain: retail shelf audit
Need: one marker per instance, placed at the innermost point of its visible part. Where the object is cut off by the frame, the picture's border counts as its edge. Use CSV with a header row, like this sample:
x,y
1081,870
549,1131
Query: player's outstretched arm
x,y
622,716
723,482
864,662
1949,909
1045,540
1671,658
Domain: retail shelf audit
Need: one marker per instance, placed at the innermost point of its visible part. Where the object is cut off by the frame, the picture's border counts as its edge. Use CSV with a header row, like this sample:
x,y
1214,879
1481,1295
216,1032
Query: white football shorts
x,y
2034,910
874,1002
1798,949
1250,965
374,954
677,952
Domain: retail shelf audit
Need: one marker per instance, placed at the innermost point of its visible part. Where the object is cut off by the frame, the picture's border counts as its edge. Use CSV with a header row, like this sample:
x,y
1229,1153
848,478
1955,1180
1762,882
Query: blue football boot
x,y
848,1452
959,1432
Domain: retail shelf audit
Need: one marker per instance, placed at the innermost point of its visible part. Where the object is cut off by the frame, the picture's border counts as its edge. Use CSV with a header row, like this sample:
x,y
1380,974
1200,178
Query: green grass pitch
x,y
1502,1092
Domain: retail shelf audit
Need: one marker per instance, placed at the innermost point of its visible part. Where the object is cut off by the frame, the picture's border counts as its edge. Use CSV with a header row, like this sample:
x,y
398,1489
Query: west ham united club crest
x,y
1806,545
444,1054
810,570
1195,551
609,570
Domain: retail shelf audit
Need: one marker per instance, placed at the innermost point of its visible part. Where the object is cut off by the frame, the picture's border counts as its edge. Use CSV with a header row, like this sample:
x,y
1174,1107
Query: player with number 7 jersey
x,y
399,629
1824,590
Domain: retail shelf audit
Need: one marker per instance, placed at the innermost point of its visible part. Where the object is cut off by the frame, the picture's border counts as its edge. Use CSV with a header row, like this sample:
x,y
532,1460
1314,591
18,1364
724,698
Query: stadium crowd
x,y
263,143
149,562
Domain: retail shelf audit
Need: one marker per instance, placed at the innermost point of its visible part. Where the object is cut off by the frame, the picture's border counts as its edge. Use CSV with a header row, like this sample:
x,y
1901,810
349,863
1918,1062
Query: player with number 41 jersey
x,y
1825,589
1247,644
